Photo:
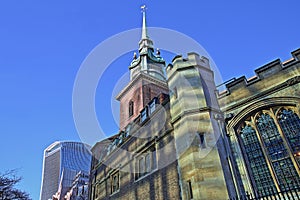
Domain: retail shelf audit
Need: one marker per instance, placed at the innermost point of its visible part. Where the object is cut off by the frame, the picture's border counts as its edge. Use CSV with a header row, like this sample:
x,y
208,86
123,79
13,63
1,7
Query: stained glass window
x,y
290,124
271,149
277,151
257,162
271,137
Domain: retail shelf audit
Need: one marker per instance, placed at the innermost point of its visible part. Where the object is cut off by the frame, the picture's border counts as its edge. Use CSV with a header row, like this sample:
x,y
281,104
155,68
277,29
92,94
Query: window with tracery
x,y
271,137
270,142
277,151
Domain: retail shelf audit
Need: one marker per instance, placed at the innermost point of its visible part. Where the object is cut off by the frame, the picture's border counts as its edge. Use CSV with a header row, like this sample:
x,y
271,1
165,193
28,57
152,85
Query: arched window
x,y
131,108
270,148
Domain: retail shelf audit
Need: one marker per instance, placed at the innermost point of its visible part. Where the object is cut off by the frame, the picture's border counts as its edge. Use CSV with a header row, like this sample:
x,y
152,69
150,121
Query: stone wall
x,y
204,171
274,84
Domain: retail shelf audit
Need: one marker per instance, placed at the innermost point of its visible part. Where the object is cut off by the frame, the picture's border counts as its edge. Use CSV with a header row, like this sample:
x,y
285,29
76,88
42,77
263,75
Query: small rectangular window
x,y
127,130
144,115
141,166
202,142
152,106
154,161
190,190
146,163
175,94
115,183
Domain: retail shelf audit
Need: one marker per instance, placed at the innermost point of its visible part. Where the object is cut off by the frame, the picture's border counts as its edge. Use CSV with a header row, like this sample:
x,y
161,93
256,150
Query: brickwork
x,y
161,183
141,90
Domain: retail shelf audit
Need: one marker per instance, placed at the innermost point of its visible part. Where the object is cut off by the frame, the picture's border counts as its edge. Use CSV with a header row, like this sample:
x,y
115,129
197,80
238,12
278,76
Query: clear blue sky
x,y
43,43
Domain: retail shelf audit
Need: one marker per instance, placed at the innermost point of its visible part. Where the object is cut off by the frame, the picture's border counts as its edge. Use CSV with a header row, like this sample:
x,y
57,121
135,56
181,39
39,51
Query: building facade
x,y
62,161
79,188
263,128
180,138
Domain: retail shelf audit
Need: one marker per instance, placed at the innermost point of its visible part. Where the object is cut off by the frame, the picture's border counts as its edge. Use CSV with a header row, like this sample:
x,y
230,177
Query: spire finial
x,y
144,27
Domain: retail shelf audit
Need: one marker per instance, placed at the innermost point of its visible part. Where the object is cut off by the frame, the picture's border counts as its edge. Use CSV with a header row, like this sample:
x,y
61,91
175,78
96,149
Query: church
x,y
181,138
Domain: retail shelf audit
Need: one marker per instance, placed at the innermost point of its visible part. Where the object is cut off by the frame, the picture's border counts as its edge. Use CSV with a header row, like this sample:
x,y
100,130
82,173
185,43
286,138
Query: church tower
x,y
202,162
147,79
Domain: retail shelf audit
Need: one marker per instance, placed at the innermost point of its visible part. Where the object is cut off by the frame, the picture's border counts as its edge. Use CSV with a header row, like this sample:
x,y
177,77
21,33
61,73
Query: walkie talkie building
x,y
62,161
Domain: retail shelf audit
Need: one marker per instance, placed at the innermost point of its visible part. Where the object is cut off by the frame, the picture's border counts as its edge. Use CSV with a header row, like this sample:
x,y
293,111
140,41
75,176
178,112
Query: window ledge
x,y
115,192
142,177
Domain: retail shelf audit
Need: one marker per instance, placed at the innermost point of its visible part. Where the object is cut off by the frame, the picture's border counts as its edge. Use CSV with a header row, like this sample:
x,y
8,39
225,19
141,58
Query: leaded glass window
x,y
271,149
271,137
286,174
277,151
290,124
257,162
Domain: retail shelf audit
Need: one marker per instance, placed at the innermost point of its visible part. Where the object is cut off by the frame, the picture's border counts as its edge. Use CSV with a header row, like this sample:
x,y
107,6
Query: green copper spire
x,y
140,63
144,27
145,42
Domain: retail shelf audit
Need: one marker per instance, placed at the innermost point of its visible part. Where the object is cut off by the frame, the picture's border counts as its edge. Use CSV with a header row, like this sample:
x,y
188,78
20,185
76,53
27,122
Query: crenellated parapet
x,y
266,71
268,79
192,60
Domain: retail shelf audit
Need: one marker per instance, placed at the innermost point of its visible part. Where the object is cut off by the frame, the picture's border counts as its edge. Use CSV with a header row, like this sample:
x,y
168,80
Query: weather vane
x,y
143,7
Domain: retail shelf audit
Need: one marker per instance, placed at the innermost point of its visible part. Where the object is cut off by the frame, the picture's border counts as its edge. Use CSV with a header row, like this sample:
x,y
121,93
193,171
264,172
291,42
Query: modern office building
x,y
62,161
181,138
78,190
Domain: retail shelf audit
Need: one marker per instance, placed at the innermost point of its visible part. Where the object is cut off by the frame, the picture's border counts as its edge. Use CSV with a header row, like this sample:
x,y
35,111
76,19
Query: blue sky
x,y
43,43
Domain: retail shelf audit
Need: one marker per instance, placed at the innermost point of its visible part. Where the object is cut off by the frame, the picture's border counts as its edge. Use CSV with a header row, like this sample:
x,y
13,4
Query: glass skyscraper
x,y
62,161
